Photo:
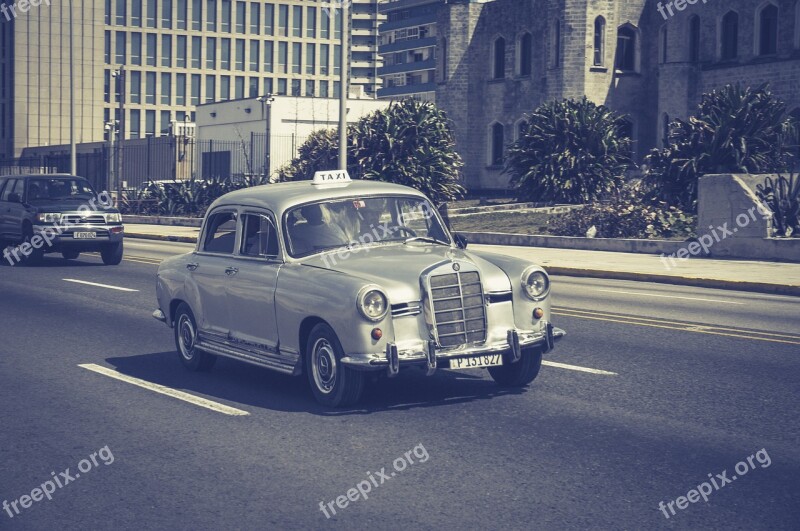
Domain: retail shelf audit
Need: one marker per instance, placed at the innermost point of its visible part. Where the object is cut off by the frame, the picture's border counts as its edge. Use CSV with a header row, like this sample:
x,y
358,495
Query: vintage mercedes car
x,y
336,278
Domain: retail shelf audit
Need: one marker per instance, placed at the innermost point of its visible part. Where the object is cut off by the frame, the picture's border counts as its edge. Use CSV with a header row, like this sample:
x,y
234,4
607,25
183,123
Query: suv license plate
x,y
476,362
84,235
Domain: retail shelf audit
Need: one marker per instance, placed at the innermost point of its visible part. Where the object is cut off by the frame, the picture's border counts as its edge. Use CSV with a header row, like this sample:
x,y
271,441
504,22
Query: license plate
x,y
476,362
84,235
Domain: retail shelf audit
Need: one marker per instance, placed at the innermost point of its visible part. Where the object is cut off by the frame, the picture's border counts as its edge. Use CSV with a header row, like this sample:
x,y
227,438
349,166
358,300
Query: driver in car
x,y
315,234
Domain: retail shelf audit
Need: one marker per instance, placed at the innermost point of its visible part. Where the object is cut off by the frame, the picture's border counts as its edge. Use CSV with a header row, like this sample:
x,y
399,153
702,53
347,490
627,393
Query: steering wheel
x,y
407,230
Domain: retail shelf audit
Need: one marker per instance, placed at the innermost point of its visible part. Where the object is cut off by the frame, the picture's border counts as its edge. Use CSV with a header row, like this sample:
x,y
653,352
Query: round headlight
x,y
535,283
372,303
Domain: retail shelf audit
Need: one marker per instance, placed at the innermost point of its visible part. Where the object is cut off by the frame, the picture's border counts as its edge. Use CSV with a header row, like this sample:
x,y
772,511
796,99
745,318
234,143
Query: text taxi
x,y
335,278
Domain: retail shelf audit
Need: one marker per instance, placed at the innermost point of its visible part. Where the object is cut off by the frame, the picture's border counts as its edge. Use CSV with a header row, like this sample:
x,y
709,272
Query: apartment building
x,y
165,57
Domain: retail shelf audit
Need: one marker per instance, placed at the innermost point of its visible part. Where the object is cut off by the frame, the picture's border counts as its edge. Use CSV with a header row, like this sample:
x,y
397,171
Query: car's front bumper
x,y
428,354
61,237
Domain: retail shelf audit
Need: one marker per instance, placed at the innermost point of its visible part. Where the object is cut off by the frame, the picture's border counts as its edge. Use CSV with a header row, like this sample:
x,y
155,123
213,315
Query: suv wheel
x,y
37,255
111,253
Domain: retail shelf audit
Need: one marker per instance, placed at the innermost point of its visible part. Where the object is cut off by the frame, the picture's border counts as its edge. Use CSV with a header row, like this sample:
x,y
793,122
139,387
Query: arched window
x,y
767,26
694,39
729,36
555,44
626,49
663,41
499,58
599,41
497,144
525,54
444,60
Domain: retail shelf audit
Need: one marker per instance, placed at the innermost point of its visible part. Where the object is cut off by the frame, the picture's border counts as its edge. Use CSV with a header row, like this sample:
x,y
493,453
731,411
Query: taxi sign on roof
x,y
332,177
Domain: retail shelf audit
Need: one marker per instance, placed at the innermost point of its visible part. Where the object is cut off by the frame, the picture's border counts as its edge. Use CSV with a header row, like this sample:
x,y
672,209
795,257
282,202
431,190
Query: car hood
x,y
69,206
397,268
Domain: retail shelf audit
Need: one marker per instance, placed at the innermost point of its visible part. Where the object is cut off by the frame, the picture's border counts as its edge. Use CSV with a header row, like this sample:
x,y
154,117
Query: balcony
x,y
408,44
428,64
406,90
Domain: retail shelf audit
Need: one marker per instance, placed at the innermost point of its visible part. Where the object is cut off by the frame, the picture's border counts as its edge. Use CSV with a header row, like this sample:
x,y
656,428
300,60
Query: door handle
x,y
192,266
231,271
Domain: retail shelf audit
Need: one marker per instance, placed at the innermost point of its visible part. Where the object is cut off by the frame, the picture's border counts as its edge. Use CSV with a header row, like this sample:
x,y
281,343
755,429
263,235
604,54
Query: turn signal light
x,y
538,313
377,333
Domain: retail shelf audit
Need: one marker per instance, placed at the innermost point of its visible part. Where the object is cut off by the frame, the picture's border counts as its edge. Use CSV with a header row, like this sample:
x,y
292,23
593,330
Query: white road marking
x,y
180,395
578,368
669,296
97,285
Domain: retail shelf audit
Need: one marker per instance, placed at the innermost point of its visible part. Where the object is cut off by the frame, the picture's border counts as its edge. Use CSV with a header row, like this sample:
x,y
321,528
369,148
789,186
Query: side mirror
x,y
14,198
461,240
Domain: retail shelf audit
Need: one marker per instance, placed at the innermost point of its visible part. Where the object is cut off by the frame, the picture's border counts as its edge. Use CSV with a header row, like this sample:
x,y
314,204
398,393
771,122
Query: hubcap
x,y
186,337
323,365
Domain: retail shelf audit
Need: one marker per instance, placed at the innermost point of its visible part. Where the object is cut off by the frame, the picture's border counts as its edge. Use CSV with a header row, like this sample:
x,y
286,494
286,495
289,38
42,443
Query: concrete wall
x,y
729,202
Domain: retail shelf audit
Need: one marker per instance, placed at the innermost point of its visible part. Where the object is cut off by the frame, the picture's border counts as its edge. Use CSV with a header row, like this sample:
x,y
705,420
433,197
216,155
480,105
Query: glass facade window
x,y
180,89
135,80
240,54
166,88
107,86
122,10
196,51
107,48
297,57
254,56
224,88
253,88
337,59
283,20
323,89
269,19
165,122
107,19
166,50
136,48
211,15
324,58
310,88
311,58
152,13
241,16
135,123
136,14
225,53
268,50
166,14
195,94
152,44
337,88
283,57
297,21
180,21
150,123
238,89
337,23
311,21
325,24
211,93
295,87
268,85
197,15
255,18
282,87
225,23
150,88
180,59
211,52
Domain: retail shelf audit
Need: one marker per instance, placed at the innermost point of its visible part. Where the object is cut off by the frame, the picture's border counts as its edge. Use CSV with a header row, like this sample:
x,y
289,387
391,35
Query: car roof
x,y
282,196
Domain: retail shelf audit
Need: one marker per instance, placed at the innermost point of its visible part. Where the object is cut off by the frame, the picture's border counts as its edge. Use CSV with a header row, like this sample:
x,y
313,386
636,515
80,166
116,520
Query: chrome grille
x,y
459,314
77,219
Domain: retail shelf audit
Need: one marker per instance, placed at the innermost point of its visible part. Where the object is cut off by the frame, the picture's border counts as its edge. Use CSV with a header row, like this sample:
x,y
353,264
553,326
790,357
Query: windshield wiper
x,y
427,239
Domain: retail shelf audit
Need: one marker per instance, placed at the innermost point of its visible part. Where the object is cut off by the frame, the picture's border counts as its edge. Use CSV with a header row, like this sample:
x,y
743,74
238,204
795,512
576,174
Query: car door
x,y
3,207
251,289
210,270
13,211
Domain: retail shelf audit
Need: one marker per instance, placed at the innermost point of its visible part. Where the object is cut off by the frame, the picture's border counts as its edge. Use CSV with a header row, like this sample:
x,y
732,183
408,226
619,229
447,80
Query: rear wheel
x,y
520,373
111,253
192,358
333,384
70,254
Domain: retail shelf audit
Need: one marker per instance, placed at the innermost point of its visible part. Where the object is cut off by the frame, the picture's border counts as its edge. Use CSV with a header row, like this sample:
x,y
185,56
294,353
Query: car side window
x,y
220,233
260,237
7,191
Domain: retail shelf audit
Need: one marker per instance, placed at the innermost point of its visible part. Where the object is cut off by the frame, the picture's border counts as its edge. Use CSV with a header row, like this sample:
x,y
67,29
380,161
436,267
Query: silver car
x,y
337,278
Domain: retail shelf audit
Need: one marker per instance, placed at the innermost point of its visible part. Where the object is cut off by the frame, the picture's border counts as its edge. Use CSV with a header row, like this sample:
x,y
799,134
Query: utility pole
x,y
110,129
267,100
121,80
73,158
343,75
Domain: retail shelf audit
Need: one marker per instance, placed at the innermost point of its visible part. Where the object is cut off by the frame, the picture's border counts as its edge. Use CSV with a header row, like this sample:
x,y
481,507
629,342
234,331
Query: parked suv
x,y
42,214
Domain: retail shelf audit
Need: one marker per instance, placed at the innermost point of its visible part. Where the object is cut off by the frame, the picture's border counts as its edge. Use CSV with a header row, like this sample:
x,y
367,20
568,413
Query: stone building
x,y
650,60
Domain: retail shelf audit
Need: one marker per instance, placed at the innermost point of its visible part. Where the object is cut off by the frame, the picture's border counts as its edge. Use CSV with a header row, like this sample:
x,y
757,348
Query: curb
x,y
757,287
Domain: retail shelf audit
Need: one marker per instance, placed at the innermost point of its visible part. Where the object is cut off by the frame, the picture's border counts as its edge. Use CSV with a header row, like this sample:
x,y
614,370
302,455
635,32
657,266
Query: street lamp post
x,y
73,157
267,100
343,74
110,128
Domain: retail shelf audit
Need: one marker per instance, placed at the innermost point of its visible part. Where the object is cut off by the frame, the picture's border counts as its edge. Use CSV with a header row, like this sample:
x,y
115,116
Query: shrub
x,y
569,152
782,196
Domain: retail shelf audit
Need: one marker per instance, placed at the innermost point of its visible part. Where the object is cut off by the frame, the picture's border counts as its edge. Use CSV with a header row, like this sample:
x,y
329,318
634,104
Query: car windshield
x,y
359,221
59,189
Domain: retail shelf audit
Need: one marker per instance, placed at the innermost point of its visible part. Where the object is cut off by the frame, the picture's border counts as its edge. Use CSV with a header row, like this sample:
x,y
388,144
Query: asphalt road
x,y
686,385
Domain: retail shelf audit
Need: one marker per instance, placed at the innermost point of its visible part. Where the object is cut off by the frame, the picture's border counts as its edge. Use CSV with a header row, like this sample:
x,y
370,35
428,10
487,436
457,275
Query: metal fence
x,y
162,159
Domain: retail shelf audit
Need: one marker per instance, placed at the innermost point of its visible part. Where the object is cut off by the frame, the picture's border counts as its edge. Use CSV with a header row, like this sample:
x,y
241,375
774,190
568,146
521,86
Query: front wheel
x,y
111,253
518,374
192,358
333,384
36,255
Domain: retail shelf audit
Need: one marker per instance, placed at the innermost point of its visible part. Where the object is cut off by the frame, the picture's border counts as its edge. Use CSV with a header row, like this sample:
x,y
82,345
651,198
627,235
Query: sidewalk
x,y
745,275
